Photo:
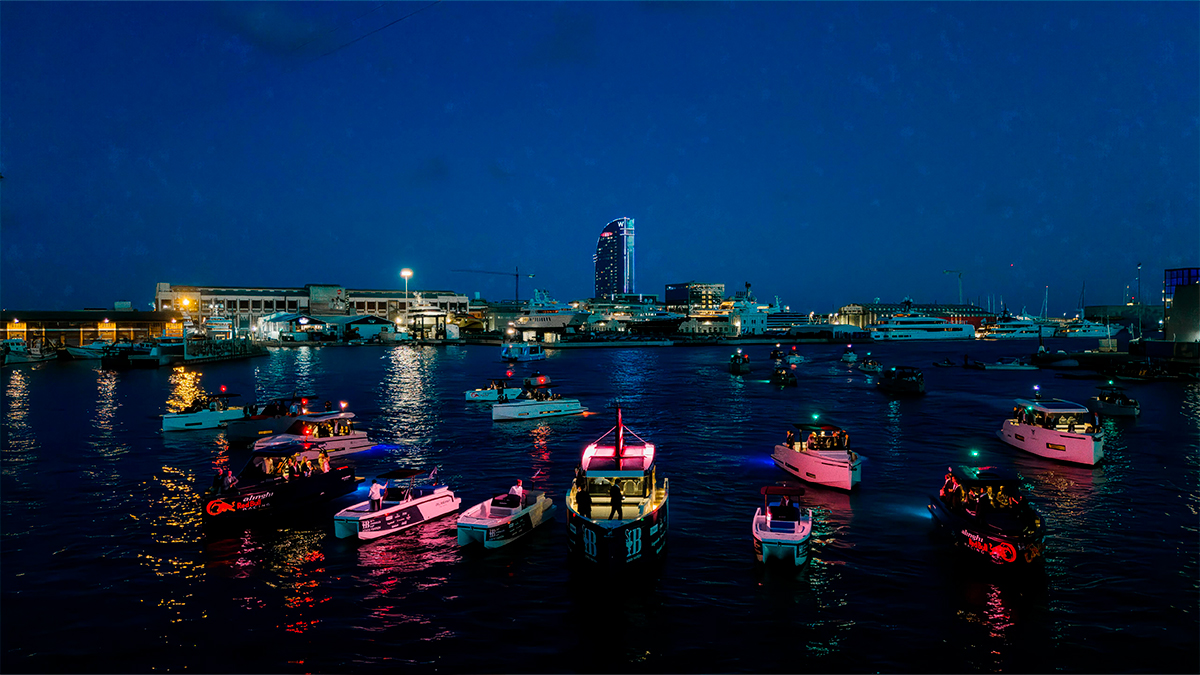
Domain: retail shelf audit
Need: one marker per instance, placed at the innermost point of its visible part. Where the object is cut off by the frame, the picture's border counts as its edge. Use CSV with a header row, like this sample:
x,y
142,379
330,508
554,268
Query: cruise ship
x,y
910,327
543,313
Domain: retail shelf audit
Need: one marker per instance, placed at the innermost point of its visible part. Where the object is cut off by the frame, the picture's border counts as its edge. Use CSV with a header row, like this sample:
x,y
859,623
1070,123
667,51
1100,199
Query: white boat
x,y
207,411
493,392
910,327
1054,429
1082,328
1113,402
619,464
17,350
332,431
824,457
92,350
780,529
848,355
522,351
1014,328
402,508
543,313
793,357
504,518
544,404
1011,363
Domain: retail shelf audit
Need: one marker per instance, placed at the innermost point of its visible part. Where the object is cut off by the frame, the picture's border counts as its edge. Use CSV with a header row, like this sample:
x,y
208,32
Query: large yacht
x,y
543,313
912,327
1082,328
1011,327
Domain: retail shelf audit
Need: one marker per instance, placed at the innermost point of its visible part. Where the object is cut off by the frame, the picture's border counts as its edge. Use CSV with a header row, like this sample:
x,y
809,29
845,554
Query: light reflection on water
x,y
20,443
185,388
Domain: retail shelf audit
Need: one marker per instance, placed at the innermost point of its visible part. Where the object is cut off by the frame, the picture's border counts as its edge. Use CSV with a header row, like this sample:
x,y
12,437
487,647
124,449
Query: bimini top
x,y
973,476
1054,406
618,457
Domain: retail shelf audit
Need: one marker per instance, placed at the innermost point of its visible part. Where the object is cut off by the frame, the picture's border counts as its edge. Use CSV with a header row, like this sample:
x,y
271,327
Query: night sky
x,y
827,153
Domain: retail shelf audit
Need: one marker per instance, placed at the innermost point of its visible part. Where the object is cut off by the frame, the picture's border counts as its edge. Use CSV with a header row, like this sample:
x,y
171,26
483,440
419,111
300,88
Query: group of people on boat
x,y
1040,419
976,499
276,468
334,428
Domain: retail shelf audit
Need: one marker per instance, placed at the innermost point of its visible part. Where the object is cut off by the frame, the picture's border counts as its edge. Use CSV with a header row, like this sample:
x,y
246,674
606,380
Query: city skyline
x,y
828,153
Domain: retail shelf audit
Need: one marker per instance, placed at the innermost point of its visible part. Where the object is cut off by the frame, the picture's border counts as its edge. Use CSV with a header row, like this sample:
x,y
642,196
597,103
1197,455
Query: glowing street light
x,y
407,274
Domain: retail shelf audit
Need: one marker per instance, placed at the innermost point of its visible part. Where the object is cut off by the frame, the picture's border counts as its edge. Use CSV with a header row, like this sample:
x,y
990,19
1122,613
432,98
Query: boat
x,y
271,418
333,432
262,488
1113,402
206,411
739,363
782,377
536,381
656,322
824,457
848,355
1055,429
504,518
984,512
544,313
92,350
493,392
901,380
870,366
780,529
401,509
912,327
518,352
1010,363
17,351
1082,328
534,405
945,363
777,353
619,462
793,357
1009,327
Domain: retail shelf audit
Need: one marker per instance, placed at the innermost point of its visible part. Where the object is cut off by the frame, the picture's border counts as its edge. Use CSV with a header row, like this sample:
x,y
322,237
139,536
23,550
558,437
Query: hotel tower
x,y
614,259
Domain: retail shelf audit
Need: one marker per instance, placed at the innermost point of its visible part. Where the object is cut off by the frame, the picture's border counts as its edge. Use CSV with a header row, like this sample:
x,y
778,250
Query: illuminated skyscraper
x,y
614,258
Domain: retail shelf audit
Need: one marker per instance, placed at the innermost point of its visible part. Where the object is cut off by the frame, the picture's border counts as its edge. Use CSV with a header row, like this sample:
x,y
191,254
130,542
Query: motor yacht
x,y
206,411
333,432
1082,328
982,510
504,518
1055,429
780,529
1113,402
493,392
824,456
901,380
518,352
544,313
911,327
401,508
1009,327
617,535
262,487
739,363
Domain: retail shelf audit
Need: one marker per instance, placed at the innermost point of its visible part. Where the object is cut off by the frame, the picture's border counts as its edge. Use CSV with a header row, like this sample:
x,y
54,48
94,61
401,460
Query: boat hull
x,y
491,394
532,410
1113,409
787,544
834,470
205,419
359,521
627,544
1073,447
987,544
494,527
276,495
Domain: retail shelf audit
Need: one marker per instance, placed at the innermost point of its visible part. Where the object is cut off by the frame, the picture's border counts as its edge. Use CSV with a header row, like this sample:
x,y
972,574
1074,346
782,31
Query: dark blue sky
x,y
827,153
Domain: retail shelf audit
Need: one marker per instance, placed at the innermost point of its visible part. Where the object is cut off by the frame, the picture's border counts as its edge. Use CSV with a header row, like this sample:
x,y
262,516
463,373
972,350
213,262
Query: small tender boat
x,y
781,530
793,357
402,508
825,457
522,351
619,464
493,392
268,419
901,380
945,363
504,518
262,488
870,366
1054,429
332,431
983,511
848,355
1012,363
739,363
782,377
541,403
1113,402
207,411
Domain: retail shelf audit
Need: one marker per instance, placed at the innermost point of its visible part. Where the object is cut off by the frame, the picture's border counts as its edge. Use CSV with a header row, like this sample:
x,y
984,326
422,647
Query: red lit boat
x,y
264,486
984,512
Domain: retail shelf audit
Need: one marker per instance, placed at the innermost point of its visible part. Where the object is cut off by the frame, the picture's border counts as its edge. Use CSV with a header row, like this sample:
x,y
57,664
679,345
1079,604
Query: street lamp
x,y
406,273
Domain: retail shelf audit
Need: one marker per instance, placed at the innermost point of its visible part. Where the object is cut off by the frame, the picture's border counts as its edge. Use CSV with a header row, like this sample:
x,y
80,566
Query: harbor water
x,y
107,568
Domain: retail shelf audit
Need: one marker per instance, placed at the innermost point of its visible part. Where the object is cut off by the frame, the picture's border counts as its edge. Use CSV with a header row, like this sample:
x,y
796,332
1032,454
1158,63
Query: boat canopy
x,y
1053,406
972,476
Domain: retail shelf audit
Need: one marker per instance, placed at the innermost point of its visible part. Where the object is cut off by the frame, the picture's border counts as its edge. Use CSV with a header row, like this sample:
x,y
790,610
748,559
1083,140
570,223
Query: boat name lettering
x,y
633,542
219,506
1001,550
589,542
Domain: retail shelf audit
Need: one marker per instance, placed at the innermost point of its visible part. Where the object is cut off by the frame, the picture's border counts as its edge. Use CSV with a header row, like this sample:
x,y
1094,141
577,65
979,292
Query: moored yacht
x,y
825,457
92,350
911,327
1082,328
544,313
17,350
1009,327
1054,429
616,512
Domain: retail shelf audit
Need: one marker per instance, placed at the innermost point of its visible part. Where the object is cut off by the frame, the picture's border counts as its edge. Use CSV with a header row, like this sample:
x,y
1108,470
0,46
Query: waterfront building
x,y
614,259
80,327
692,296
866,314
1181,304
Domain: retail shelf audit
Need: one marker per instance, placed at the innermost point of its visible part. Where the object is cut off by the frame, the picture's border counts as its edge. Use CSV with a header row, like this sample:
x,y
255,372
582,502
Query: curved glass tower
x,y
614,258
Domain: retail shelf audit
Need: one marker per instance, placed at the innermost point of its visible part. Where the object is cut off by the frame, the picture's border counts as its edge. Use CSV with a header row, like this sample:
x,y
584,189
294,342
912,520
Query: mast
x,y
620,438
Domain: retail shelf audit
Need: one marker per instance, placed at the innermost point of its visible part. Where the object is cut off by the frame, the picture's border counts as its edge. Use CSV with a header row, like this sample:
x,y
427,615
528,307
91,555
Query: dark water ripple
x,y
102,539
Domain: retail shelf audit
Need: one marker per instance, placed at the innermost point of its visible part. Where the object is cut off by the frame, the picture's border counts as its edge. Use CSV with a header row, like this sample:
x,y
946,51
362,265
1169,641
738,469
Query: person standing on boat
x,y
519,492
615,495
376,494
230,481
323,460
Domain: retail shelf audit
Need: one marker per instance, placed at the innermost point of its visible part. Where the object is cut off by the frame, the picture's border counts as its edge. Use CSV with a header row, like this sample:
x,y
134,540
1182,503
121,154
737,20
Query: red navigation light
x,y
542,380
303,401
222,389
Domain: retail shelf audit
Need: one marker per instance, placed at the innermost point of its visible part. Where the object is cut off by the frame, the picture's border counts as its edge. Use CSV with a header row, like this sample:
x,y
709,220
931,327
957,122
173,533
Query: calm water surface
x,y
106,567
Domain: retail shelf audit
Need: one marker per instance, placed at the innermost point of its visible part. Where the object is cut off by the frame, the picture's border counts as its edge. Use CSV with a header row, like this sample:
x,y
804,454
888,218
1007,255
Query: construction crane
x,y
959,282
516,274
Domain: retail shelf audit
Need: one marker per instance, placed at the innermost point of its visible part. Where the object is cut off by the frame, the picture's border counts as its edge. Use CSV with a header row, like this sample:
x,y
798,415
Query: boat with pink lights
x,y
781,529
823,457
402,507
1055,429
270,483
984,512
504,518
616,512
